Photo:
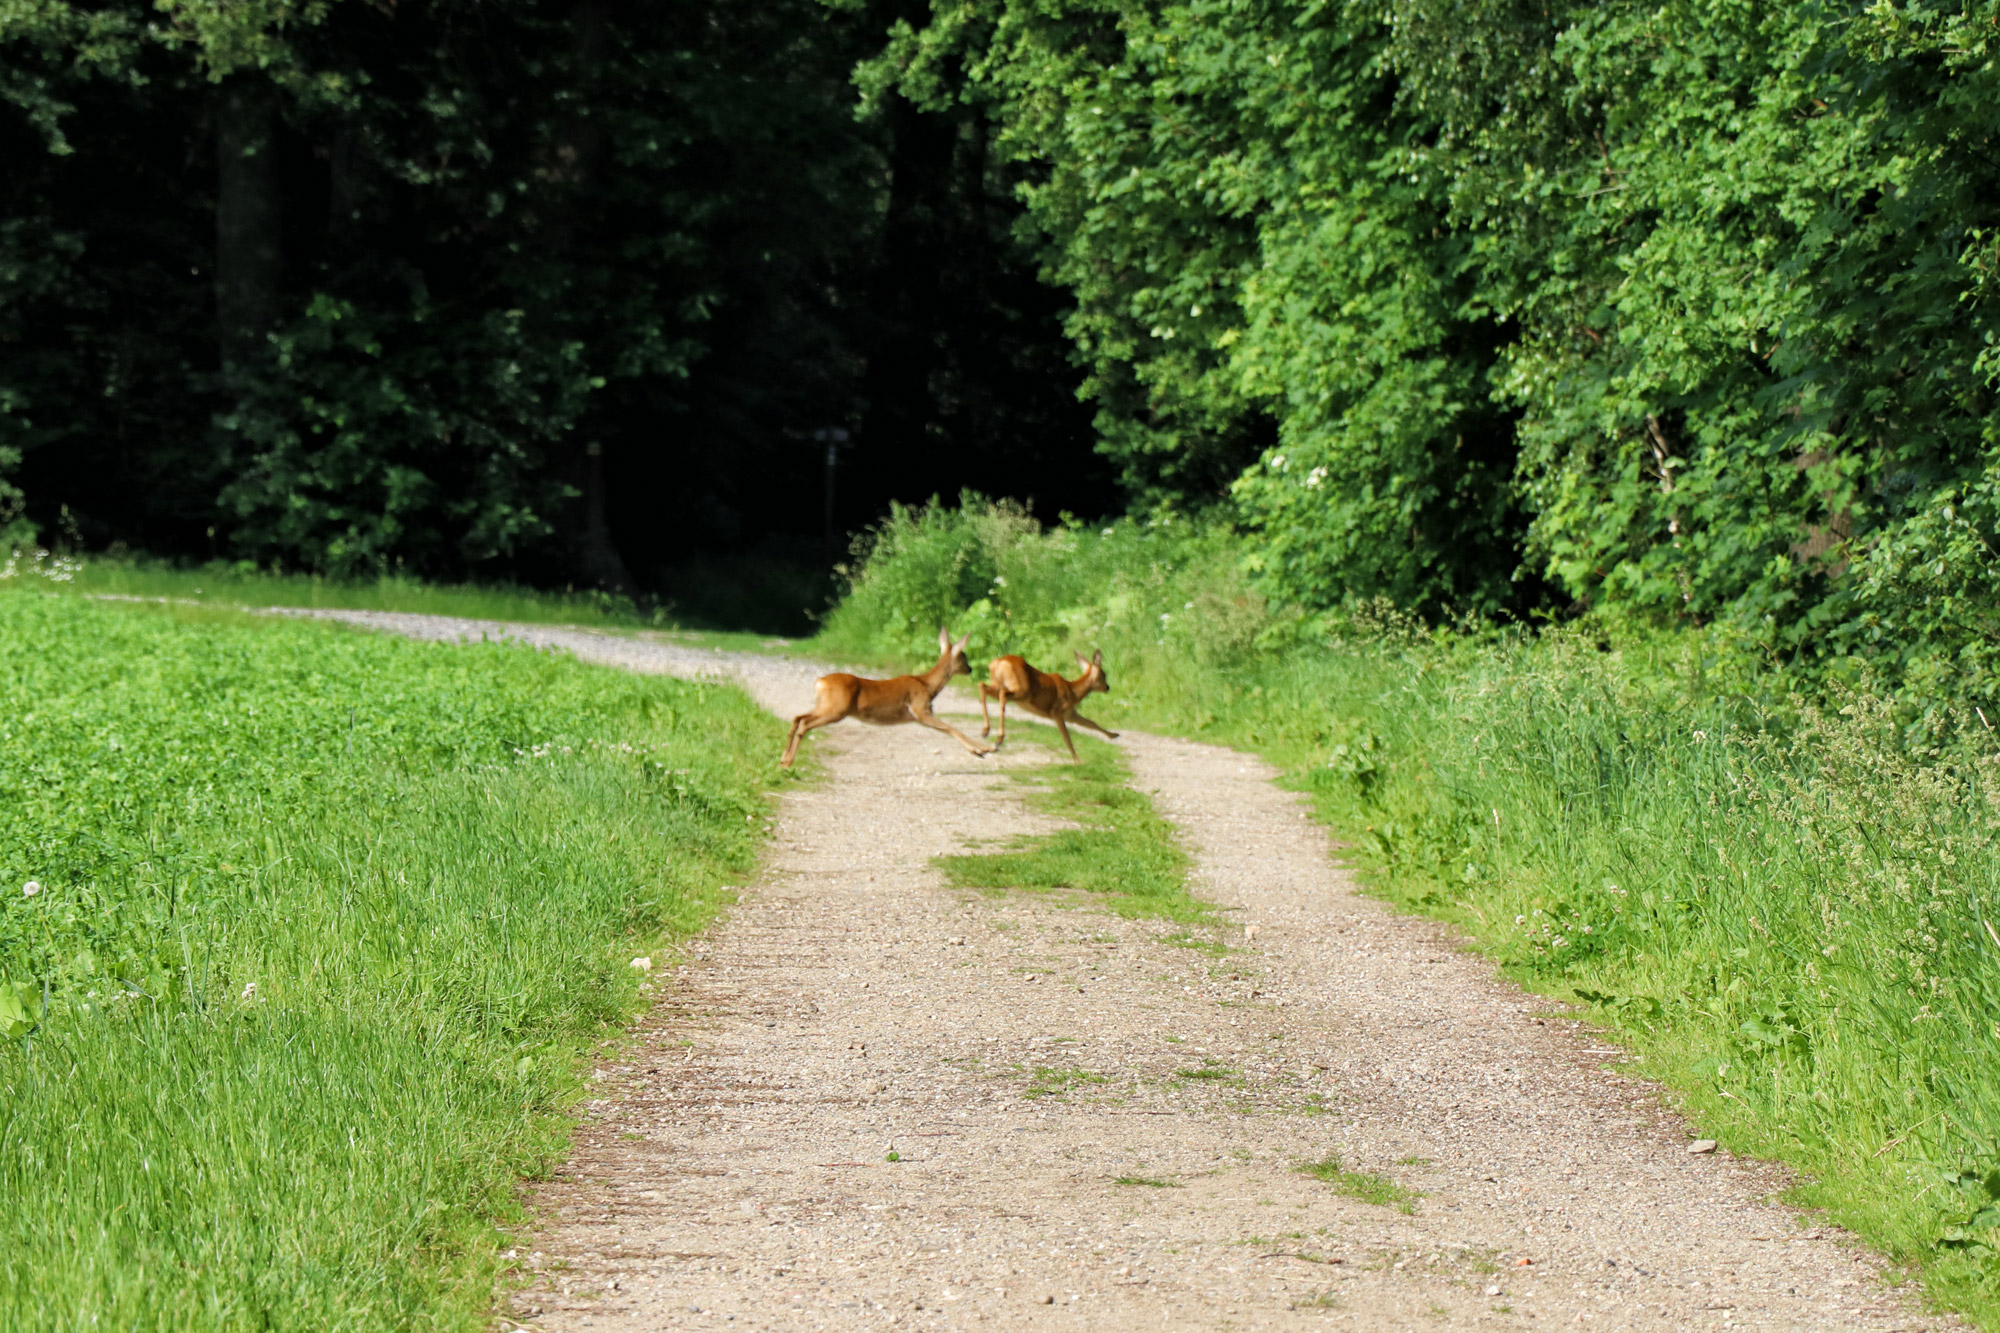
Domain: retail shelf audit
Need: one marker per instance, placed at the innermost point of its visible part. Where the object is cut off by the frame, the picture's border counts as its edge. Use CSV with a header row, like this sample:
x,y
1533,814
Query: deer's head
x,y
1094,679
954,653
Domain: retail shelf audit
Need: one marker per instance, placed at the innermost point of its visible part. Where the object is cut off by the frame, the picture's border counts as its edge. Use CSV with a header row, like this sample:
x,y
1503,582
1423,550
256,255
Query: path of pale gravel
x,y
733,1173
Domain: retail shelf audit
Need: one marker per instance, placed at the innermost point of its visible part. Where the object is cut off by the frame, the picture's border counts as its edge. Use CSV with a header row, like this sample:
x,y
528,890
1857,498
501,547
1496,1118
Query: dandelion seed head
x,y
31,888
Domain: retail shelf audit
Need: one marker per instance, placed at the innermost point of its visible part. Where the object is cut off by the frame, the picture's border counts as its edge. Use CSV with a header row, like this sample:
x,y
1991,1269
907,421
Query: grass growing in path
x,y
1378,1190
1124,855
321,923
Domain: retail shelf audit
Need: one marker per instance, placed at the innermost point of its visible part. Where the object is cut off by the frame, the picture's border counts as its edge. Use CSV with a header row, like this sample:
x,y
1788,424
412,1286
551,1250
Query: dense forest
x,y
1682,311
568,292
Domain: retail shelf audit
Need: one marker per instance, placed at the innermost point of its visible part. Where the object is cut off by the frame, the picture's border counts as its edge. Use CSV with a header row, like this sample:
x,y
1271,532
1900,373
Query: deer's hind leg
x,y
801,724
986,688
936,723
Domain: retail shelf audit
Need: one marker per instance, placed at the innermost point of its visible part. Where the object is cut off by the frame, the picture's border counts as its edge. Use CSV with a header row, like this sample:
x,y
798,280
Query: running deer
x,y
1044,694
886,702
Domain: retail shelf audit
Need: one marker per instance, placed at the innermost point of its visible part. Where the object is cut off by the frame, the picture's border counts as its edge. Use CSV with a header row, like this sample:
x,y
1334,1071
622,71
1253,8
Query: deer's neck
x,y
937,677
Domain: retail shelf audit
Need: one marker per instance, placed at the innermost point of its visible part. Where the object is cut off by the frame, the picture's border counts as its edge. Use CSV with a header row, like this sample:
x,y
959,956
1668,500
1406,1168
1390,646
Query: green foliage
x,y
1784,901
1684,308
321,924
993,571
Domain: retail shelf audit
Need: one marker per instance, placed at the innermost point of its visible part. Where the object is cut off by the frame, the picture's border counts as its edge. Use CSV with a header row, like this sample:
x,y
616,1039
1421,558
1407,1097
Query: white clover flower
x,y
642,965
1520,921
31,888
249,991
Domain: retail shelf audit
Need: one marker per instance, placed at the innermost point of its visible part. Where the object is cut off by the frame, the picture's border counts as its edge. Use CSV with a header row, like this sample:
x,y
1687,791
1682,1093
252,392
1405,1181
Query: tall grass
x,y
1784,900
321,924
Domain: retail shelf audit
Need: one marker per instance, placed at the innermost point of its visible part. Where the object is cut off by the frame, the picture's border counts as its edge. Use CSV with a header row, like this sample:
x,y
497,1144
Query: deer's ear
x,y
1081,660
944,639
959,647
1097,658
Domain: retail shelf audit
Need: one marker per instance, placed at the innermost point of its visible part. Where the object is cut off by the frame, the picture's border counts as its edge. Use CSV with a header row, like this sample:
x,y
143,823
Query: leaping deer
x,y
886,702
1045,694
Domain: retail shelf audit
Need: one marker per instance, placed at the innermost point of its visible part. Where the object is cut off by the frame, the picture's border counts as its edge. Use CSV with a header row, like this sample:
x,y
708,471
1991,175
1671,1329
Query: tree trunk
x,y
579,149
249,245
596,553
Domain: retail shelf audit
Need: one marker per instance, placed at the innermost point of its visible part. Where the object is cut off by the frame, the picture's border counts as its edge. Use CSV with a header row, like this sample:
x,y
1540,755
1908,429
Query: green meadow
x,y
303,935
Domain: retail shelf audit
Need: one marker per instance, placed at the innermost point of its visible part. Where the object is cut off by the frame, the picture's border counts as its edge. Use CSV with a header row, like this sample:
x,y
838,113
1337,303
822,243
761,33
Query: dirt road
x,y
868,1100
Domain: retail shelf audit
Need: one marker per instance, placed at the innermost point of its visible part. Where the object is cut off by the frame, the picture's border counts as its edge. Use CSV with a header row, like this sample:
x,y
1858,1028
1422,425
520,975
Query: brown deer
x,y
886,702
1044,694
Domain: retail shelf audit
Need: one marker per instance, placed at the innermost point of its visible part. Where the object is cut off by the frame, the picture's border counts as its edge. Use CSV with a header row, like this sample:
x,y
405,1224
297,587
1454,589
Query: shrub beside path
x,y
869,1100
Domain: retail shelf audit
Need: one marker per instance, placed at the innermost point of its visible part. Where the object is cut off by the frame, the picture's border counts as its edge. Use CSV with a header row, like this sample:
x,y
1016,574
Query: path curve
x,y
734,1172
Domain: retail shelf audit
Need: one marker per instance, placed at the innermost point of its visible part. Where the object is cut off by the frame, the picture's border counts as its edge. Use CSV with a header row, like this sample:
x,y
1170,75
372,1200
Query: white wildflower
x,y
642,965
249,992
31,888
1315,477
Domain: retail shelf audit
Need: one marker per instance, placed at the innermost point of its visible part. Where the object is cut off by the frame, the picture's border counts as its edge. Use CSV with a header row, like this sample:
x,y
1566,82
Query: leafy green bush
x,y
301,934
1676,307
991,570
1789,903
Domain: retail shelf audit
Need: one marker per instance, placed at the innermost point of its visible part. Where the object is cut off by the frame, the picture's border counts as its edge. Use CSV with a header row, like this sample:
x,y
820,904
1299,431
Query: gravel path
x,y
1100,1127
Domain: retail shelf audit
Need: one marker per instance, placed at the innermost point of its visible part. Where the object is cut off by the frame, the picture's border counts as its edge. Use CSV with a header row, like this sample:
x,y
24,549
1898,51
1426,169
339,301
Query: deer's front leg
x,y
1083,721
936,723
1063,727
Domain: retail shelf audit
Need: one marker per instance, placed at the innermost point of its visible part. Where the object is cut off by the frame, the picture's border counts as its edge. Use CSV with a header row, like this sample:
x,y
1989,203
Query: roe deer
x,y
1048,695
884,702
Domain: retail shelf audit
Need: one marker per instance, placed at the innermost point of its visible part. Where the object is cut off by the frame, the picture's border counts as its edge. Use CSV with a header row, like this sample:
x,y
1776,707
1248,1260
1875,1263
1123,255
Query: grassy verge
x,y
1124,856
321,925
1780,893
237,584
1780,907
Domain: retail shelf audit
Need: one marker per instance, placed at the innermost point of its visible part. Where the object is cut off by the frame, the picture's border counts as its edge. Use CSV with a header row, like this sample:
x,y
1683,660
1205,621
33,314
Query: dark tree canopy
x,y
563,291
